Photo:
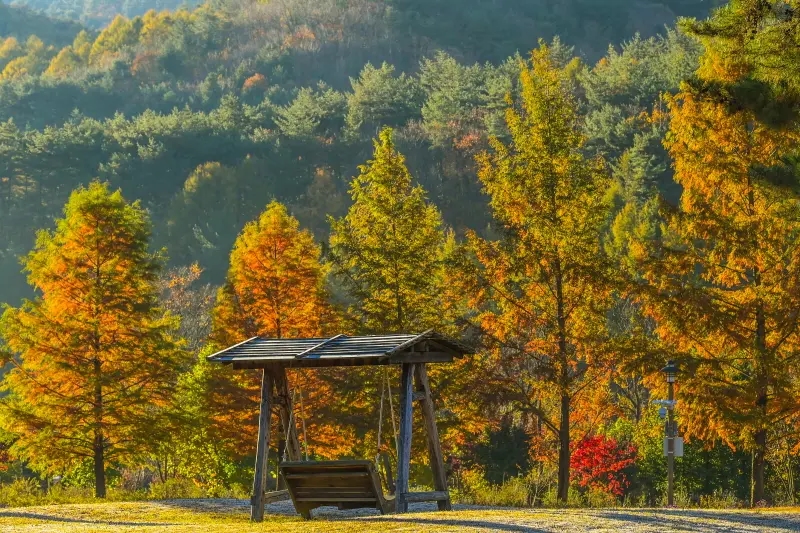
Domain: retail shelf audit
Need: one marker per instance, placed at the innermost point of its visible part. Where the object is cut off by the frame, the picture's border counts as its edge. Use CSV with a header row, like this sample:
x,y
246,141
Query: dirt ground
x,y
216,516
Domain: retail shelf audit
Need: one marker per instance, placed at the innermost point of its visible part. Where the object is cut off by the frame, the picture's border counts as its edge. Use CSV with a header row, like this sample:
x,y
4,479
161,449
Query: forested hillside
x,y
207,114
590,24
23,23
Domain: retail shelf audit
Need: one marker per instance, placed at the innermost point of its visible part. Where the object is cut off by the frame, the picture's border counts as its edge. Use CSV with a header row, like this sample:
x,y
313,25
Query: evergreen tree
x,y
387,250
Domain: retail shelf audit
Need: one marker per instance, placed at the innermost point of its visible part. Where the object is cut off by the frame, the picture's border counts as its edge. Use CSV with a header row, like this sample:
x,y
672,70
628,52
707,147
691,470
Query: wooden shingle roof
x,y
342,350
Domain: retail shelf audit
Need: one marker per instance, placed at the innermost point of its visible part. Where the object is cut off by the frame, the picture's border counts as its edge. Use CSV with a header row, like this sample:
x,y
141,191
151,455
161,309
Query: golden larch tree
x,y
540,293
389,254
276,289
94,364
387,250
723,277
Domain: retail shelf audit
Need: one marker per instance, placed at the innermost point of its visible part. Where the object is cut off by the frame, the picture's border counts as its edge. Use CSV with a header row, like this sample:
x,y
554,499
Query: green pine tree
x,y
387,250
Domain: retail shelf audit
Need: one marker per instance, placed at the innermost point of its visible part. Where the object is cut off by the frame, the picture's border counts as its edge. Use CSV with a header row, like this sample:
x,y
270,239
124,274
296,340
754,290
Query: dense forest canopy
x,y
550,171
251,101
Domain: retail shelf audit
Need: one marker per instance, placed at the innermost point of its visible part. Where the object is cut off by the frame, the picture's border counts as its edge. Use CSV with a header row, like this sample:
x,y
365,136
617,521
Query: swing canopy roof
x,y
343,350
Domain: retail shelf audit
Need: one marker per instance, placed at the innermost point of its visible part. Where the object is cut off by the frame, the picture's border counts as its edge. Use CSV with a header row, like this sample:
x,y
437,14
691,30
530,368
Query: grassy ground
x,y
216,516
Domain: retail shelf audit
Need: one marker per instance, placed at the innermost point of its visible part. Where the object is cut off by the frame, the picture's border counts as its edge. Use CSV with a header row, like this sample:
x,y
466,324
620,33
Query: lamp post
x,y
670,372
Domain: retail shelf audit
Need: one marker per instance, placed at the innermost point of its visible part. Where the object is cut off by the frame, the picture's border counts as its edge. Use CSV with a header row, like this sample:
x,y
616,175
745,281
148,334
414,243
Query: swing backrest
x,y
345,484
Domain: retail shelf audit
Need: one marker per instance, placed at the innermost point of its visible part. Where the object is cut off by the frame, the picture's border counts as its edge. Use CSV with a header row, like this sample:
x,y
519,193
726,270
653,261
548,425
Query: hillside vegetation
x,y
284,99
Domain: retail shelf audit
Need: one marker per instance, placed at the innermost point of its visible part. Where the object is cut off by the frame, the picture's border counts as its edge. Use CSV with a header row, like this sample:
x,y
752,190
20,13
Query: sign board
x,y
678,446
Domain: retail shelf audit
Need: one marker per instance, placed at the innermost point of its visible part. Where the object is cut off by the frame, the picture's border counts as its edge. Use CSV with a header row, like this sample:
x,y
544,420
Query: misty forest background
x,y
207,113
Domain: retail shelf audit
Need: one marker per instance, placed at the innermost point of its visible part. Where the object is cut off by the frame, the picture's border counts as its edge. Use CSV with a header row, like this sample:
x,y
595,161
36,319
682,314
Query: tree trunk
x,y
759,462
98,446
760,450
563,451
99,466
564,378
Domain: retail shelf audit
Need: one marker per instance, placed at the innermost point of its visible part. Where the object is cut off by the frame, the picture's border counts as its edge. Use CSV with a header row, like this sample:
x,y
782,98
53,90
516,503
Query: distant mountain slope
x,y
496,28
98,13
484,29
21,23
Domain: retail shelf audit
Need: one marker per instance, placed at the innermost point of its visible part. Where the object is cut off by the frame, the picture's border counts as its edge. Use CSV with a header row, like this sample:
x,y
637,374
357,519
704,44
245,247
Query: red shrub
x,y
599,462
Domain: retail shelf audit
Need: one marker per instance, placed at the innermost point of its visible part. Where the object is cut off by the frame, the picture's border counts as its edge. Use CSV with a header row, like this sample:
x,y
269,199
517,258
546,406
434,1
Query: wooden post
x,y
287,421
404,453
387,471
434,445
262,447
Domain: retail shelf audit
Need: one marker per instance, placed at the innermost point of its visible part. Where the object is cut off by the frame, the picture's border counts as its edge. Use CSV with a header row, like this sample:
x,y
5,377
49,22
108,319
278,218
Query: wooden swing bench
x,y
345,484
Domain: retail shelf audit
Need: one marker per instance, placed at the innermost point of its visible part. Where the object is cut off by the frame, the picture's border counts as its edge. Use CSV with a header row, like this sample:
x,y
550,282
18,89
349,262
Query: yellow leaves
x,y
113,39
540,294
64,63
723,66
9,49
724,279
387,249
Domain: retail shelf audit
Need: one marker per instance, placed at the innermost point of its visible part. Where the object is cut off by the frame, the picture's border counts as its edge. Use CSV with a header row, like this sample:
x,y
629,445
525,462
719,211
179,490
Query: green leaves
x,y
387,250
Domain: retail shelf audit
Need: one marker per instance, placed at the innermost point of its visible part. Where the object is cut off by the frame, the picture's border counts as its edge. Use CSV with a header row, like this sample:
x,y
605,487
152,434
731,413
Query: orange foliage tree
x,y
723,276
275,288
539,295
94,364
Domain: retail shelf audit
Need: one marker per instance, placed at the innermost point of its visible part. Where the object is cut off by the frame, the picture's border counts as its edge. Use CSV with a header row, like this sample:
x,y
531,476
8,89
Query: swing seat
x,y
344,484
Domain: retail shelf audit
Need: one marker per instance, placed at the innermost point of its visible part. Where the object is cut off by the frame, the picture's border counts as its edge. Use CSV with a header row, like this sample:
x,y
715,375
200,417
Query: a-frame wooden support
x,y
274,389
412,372
414,386
434,444
285,407
262,446
404,451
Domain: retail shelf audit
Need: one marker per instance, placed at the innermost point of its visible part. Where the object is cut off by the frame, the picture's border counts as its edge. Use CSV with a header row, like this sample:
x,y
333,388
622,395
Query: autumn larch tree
x,y
388,252
92,355
275,288
724,279
539,292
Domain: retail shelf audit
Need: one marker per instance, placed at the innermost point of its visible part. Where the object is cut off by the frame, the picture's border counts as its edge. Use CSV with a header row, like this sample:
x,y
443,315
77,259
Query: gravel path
x,y
472,517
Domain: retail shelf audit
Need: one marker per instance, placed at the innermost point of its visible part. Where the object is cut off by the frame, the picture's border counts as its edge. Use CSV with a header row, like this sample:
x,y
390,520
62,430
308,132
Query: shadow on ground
x,y
709,521
65,519
486,524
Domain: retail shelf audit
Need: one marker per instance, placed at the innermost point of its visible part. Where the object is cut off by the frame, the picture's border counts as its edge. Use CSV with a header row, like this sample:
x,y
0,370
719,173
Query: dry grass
x,y
217,516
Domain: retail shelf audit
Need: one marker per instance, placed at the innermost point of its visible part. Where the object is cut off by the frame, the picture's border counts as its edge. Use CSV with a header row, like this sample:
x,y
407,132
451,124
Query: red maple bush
x,y
599,462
